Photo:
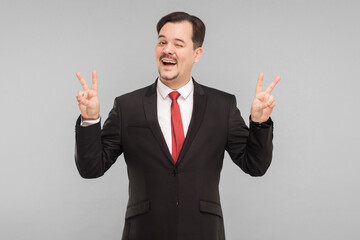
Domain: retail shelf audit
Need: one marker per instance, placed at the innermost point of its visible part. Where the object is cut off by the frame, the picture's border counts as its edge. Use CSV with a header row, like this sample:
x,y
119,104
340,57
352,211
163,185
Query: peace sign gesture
x,y
263,103
88,100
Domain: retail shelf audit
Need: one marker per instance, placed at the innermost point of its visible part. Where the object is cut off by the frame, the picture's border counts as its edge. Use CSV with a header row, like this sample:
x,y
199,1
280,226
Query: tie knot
x,y
174,95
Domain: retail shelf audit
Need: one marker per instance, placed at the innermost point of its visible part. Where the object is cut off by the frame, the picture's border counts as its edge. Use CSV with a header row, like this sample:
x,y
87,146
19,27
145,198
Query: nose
x,y
168,49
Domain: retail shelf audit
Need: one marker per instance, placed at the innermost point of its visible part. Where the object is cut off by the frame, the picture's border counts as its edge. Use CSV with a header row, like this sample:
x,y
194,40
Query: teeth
x,y
168,61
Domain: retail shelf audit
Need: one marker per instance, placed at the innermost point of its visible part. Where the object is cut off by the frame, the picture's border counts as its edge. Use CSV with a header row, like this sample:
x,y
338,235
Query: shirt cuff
x,y
86,123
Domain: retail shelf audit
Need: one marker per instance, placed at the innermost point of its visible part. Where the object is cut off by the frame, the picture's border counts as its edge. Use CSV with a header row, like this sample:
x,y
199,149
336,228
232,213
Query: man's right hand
x,y
88,100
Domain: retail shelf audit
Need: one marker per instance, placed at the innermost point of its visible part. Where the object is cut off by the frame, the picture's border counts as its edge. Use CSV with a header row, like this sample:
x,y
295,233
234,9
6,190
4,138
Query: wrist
x,y
260,123
90,118
256,120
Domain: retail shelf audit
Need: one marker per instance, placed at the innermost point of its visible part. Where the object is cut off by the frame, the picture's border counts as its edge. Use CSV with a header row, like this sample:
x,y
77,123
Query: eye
x,y
179,45
161,43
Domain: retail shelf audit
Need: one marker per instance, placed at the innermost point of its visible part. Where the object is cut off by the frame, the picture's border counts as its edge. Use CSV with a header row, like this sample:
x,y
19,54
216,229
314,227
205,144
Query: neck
x,y
175,84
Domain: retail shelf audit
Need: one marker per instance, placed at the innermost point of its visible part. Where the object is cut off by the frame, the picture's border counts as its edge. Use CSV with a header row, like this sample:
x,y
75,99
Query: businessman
x,y
173,135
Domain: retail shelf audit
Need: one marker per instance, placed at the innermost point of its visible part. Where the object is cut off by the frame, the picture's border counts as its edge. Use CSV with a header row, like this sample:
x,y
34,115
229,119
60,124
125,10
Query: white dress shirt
x,y
185,101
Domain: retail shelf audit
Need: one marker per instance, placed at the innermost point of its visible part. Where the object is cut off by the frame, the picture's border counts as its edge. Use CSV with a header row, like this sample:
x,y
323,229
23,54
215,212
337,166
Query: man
x,y
173,135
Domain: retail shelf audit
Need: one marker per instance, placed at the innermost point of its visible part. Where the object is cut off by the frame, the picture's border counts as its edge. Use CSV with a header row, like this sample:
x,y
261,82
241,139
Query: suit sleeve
x,y
249,148
96,150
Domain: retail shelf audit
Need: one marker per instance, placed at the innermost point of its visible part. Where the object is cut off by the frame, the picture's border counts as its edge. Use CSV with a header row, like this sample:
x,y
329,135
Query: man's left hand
x,y
263,103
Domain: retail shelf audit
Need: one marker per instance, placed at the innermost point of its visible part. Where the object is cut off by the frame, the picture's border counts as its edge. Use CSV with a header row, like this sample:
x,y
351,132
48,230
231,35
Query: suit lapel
x,y
196,119
150,109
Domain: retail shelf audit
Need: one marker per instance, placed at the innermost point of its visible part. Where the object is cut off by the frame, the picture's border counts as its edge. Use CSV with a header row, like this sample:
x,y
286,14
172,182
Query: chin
x,y
168,78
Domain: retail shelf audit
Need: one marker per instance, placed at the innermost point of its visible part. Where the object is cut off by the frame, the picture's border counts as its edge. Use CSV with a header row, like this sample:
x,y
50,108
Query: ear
x,y
198,54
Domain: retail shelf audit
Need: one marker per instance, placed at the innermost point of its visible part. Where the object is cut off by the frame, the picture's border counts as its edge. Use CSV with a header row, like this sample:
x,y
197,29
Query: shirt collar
x,y
184,90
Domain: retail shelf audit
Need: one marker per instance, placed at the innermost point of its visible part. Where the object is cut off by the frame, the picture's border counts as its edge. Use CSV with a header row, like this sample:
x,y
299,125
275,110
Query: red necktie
x,y
177,131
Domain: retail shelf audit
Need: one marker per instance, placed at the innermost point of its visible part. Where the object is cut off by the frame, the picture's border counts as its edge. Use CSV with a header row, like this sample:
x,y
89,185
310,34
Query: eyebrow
x,y
176,39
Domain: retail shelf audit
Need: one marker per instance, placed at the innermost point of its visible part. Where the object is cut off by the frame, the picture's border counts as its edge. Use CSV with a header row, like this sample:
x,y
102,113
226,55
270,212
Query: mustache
x,y
167,56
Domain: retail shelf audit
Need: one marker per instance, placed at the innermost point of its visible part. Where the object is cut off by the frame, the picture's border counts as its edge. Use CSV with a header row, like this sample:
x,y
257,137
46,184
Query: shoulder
x,y
136,94
214,93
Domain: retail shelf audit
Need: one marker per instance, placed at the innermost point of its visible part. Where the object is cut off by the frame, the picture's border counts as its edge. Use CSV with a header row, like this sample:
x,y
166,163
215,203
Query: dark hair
x,y
197,25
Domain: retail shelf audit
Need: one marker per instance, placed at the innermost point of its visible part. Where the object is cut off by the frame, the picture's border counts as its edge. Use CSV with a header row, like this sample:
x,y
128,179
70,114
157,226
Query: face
x,y
175,54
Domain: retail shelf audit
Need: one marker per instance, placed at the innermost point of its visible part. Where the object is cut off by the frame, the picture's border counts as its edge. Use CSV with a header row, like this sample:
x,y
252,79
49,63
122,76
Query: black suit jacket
x,y
170,201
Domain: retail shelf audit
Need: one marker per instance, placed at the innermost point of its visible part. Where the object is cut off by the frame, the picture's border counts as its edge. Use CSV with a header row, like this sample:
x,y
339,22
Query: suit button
x,y
174,172
177,203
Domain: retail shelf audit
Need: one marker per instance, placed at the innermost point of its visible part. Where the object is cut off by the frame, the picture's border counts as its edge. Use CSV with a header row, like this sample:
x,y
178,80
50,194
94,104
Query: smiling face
x,y
175,54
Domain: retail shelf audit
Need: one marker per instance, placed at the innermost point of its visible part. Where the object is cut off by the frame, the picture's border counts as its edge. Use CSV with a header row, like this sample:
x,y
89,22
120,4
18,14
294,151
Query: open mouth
x,y
168,61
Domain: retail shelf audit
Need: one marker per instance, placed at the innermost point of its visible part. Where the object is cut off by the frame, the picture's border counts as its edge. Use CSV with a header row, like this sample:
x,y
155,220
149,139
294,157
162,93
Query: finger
x,y
259,83
82,81
261,96
270,100
273,84
83,94
85,102
79,96
94,84
272,105
91,94
266,97
82,100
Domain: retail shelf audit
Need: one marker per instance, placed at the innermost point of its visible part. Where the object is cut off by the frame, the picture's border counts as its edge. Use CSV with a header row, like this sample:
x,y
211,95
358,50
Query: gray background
x,y
311,190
